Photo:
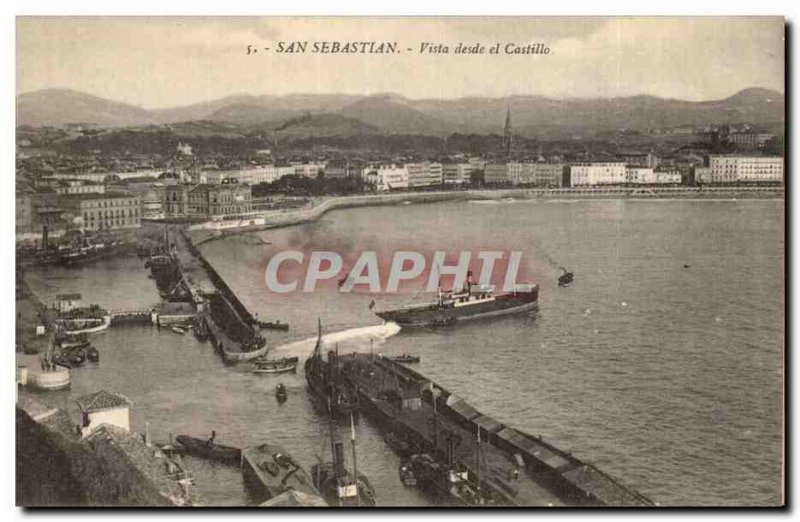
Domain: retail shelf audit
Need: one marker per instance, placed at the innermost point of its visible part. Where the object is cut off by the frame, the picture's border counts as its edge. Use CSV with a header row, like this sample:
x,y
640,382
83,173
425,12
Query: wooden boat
x,y
77,357
78,341
407,476
210,450
287,364
404,358
280,392
93,354
178,330
566,278
274,325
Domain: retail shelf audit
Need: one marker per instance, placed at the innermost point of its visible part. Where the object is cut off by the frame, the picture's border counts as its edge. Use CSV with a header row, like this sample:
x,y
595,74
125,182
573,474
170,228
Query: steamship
x,y
473,301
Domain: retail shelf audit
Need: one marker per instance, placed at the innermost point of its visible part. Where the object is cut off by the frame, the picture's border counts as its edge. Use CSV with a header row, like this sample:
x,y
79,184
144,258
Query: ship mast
x,y
480,496
355,467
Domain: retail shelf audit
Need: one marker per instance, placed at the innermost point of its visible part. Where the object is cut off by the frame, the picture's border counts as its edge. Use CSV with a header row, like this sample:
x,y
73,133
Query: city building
x,y
668,177
458,173
151,196
750,140
308,170
640,159
536,174
104,408
640,176
339,168
72,186
251,175
425,174
111,211
497,173
702,174
594,174
103,177
391,177
747,169
206,200
67,302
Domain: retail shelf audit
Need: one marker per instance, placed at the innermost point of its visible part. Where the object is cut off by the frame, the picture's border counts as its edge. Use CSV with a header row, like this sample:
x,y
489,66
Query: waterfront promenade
x,y
219,227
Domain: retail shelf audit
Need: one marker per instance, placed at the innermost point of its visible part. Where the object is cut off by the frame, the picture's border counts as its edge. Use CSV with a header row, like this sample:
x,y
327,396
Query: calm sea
x,y
662,364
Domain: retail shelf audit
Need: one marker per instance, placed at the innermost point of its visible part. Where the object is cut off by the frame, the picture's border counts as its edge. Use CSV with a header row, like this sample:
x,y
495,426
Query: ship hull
x,y
435,315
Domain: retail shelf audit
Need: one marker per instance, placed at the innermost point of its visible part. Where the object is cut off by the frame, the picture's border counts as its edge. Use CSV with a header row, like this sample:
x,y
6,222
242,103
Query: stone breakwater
x,y
210,230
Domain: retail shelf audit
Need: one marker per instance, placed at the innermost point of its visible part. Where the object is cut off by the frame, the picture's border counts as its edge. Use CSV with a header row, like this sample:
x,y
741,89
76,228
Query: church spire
x,y
507,132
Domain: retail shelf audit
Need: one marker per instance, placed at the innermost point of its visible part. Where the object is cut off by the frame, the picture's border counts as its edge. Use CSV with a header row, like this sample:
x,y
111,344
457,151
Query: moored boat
x,y
286,364
273,325
92,354
178,330
210,450
404,358
327,386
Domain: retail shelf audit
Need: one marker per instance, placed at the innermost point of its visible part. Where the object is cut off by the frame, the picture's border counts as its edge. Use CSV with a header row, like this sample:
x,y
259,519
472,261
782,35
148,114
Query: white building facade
x,y
594,174
731,169
391,177
457,173
424,174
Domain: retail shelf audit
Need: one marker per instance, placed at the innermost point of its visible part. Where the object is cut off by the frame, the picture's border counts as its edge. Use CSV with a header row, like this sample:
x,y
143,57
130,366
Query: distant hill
x,y
62,106
389,113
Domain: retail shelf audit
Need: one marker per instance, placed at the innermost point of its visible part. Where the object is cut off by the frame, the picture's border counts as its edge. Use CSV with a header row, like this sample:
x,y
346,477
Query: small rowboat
x,y
280,392
210,450
178,330
407,476
92,354
566,278
404,358
287,364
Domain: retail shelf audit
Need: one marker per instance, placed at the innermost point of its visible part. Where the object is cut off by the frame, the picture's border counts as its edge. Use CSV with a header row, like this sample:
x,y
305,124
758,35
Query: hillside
x,y
393,114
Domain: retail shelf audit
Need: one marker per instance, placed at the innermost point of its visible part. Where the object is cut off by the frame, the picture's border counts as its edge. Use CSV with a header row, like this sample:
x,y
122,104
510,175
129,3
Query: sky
x,y
166,62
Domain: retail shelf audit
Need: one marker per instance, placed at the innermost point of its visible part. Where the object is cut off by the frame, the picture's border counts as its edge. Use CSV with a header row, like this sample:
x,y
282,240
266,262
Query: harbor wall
x,y
579,482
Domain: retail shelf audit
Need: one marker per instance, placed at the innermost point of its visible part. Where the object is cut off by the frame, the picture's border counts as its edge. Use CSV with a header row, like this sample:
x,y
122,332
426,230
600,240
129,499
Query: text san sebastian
x,y
335,47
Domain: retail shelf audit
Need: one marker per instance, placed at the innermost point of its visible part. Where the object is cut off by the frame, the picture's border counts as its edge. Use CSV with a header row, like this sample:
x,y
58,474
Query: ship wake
x,y
360,339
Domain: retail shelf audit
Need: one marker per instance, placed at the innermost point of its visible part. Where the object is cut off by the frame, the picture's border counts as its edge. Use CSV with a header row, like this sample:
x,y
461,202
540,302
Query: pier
x,y
232,329
518,469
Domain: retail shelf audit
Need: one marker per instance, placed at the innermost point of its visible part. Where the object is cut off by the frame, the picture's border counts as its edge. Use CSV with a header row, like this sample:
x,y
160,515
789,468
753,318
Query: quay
x,y
219,314
517,468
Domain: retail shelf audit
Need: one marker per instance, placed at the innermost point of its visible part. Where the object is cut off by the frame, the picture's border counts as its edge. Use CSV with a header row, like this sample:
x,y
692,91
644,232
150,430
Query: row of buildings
x,y
639,171
90,205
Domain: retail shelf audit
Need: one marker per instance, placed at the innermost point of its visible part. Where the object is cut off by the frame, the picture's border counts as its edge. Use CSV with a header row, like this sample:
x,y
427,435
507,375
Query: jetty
x,y
513,467
185,276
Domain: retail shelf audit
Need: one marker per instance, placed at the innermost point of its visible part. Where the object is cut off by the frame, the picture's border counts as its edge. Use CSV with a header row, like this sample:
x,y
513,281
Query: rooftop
x,y
97,196
102,400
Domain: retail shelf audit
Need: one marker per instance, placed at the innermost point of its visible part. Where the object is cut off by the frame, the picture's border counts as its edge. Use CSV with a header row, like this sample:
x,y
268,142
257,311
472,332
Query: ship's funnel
x,y
338,460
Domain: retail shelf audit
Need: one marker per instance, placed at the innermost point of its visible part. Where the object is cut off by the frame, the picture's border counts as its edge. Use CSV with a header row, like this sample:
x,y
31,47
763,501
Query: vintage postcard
x,y
387,261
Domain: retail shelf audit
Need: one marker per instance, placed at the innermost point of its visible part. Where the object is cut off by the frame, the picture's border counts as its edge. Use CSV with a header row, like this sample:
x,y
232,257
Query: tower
x,y
507,133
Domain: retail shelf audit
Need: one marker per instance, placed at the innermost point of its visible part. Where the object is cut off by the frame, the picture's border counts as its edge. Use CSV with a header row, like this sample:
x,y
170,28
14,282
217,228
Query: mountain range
x,y
328,114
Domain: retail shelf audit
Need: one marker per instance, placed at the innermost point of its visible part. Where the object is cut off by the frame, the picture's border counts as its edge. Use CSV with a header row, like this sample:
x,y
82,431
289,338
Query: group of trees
x,y
305,186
